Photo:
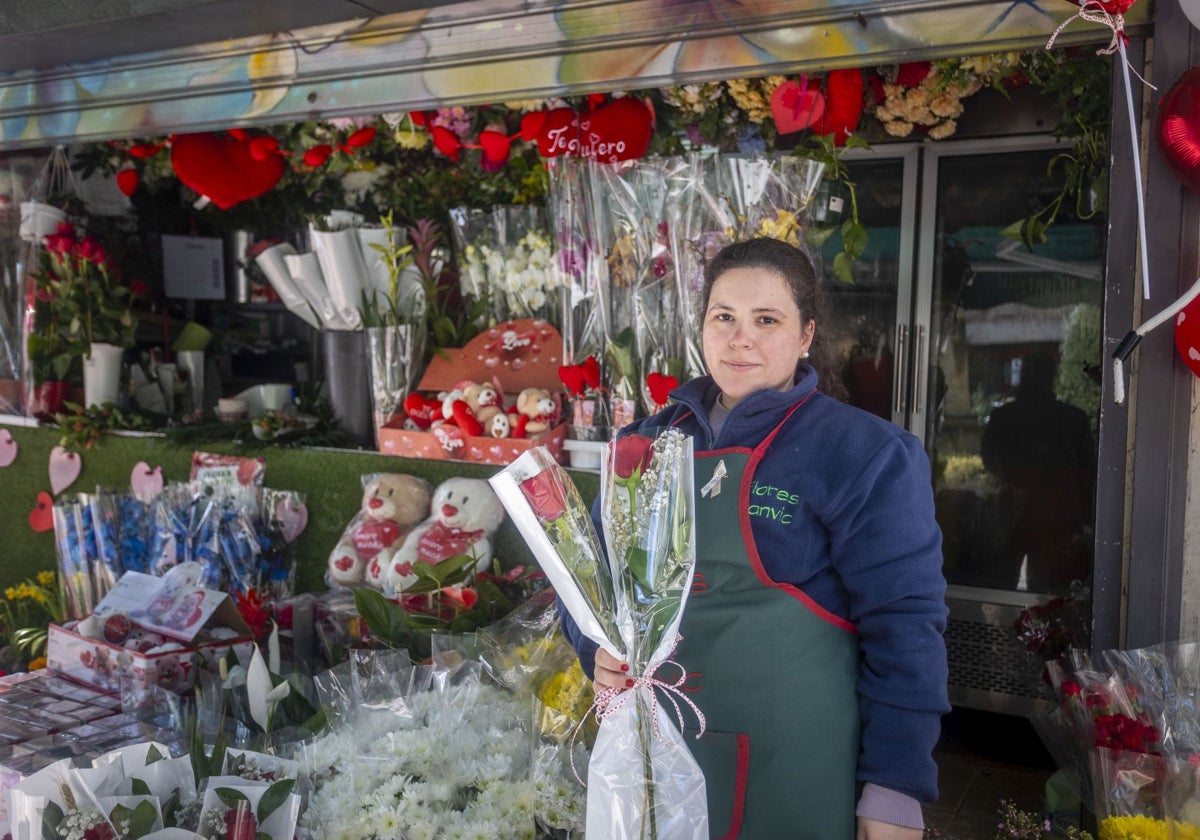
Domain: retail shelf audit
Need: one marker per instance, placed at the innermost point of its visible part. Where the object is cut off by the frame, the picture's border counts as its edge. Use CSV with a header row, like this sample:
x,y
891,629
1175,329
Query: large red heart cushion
x,y
620,130
1187,335
221,167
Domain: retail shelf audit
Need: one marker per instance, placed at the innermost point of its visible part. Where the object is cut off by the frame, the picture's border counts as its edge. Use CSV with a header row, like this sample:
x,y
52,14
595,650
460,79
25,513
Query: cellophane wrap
x,y
642,779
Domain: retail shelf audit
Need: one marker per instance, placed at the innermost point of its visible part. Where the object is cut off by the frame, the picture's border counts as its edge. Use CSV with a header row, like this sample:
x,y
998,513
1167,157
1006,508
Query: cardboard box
x,y
515,355
174,606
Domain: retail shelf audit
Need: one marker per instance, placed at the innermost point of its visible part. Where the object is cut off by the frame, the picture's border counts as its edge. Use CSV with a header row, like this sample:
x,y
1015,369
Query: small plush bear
x,y
538,411
463,516
392,504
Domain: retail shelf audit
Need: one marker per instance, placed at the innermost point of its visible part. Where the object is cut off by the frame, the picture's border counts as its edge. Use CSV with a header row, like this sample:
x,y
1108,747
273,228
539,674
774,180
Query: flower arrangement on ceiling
x,y
495,154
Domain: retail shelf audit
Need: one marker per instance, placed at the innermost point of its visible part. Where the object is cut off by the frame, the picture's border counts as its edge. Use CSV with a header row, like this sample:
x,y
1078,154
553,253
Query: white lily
x,y
262,693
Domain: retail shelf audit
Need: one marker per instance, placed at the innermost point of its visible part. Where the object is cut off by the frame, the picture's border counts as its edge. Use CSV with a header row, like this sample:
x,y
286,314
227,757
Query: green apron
x,y
774,674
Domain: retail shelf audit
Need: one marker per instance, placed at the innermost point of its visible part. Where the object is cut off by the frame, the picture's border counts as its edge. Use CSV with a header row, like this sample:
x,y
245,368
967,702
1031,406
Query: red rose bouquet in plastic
x,y
642,780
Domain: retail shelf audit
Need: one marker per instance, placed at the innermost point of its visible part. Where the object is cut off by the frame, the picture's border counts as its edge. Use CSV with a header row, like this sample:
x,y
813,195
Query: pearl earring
x,y
804,355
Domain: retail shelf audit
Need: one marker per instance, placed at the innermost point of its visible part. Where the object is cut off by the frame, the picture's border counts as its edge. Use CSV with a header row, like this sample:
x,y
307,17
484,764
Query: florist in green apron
x,y
812,637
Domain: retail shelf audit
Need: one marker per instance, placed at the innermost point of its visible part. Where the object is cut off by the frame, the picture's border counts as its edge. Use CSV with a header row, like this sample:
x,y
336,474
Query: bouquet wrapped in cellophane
x,y
1128,723
642,779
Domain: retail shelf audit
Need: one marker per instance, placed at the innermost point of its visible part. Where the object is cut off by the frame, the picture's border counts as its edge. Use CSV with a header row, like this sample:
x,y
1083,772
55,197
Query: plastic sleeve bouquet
x,y
642,780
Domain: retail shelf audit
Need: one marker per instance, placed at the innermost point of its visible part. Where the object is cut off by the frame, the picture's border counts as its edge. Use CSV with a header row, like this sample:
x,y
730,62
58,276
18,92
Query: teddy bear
x,y
463,516
392,503
537,412
487,406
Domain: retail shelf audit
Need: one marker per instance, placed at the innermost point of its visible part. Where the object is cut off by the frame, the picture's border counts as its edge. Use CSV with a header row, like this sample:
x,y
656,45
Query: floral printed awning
x,y
486,51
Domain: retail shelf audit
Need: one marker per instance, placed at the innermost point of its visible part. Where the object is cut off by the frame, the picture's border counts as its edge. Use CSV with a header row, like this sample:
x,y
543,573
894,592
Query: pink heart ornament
x,y
145,483
795,108
64,469
293,519
8,448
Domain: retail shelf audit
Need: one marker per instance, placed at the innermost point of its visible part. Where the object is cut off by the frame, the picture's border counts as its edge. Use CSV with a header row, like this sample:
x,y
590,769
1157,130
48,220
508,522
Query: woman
x,y
813,634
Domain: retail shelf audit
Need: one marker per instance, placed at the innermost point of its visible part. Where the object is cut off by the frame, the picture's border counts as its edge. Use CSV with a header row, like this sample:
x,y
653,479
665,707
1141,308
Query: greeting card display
x,y
151,630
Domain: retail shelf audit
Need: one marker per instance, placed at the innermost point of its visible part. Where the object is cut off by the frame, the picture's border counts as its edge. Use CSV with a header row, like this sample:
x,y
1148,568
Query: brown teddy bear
x,y
392,504
537,412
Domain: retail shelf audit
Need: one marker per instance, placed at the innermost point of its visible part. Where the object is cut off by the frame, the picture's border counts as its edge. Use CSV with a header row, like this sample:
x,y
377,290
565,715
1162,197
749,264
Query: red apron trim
x,y
739,790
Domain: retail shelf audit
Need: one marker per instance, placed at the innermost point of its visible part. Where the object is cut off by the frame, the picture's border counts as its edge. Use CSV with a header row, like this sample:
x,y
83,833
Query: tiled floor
x,y
983,758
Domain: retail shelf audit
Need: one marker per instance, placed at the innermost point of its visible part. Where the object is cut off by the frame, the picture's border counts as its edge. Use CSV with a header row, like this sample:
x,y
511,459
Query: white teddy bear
x,y
464,514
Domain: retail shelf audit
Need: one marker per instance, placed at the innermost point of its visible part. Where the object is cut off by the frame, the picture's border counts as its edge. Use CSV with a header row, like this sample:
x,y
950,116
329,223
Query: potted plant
x,y
835,205
81,308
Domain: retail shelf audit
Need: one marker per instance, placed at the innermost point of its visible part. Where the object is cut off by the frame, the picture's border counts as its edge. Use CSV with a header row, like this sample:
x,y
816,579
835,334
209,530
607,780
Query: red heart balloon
x,y
127,181
620,130
222,168
41,518
422,411
1187,335
660,386
1178,128
1113,7
495,145
795,108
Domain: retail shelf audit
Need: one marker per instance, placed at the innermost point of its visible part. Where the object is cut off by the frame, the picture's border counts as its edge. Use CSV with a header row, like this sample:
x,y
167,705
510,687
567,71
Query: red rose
x,y
90,249
630,453
546,495
100,831
1070,688
240,825
137,288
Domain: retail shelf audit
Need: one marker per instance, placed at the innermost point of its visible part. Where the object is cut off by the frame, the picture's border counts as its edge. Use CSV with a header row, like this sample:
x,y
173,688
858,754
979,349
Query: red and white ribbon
x,y
609,701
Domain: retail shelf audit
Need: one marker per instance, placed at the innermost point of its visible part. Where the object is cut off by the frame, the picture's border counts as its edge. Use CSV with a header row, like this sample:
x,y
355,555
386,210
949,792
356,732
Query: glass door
x,y
869,318
1007,350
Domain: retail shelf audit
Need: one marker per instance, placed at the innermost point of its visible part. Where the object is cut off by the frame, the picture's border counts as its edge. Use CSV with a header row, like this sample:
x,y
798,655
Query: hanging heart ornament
x,y
64,469
1178,128
223,166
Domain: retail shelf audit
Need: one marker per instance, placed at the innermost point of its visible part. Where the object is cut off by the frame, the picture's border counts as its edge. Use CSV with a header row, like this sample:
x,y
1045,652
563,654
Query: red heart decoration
x,y
843,104
263,147
1178,128
317,155
1187,335
795,108
495,145
144,150
422,411
620,130
464,418
660,386
41,518
531,125
127,181
222,168
1113,7
447,142
571,377
591,372
361,137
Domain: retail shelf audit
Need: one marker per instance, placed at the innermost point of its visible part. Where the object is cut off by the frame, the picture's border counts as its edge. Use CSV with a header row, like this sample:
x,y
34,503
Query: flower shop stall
x,y
320,124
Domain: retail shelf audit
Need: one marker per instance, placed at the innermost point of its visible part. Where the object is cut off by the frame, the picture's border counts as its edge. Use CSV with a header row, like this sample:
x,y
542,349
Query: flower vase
x,y
345,355
830,203
395,354
102,373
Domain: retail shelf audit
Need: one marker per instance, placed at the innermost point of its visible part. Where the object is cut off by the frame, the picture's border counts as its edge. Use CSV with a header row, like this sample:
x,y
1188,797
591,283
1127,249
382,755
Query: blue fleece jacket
x,y
861,541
